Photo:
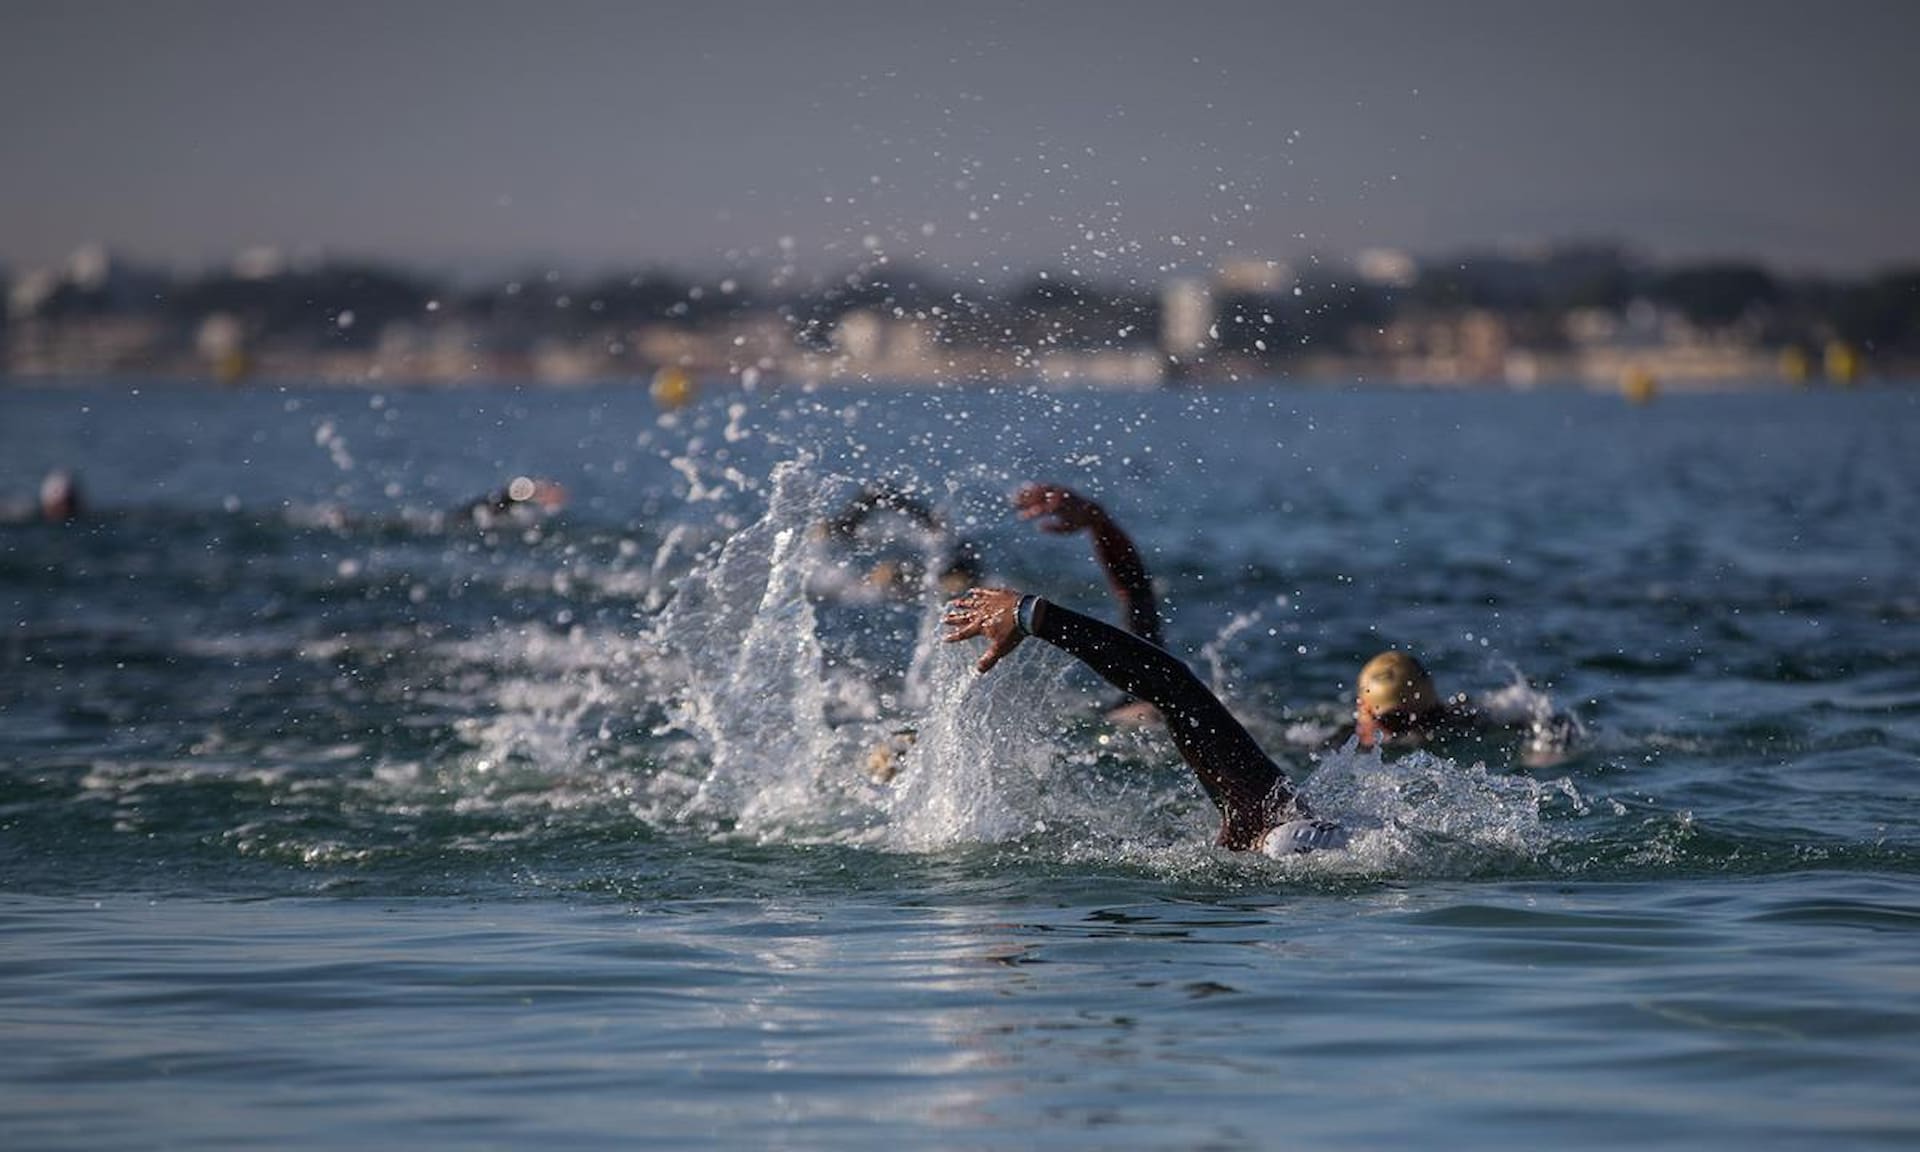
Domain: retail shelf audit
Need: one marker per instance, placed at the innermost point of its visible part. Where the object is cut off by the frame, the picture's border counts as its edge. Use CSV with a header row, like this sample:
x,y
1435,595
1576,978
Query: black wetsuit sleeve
x,y
1253,795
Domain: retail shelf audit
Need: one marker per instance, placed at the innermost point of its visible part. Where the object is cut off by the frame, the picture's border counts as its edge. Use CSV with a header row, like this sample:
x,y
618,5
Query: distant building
x,y
1186,318
89,267
1468,347
29,290
259,263
1105,368
1386,268
104,345
1251,277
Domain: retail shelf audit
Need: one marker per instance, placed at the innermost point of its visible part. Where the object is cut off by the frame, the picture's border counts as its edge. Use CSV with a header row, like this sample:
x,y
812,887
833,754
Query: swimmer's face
x,y
59,498
547,494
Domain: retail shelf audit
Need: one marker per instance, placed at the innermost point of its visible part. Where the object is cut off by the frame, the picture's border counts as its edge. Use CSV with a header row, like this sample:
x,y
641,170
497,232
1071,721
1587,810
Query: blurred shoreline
x,y
1580,316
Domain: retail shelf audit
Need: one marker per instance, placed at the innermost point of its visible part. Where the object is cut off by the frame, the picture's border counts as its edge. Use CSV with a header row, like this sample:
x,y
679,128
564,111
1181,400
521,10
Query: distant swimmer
x,y
1062,511
58,502
523,501
60,497
1259,808
955,560
1395,705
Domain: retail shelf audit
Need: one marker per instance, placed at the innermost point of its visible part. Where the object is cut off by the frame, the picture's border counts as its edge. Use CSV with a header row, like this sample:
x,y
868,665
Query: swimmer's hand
x,y
989,612
1061,511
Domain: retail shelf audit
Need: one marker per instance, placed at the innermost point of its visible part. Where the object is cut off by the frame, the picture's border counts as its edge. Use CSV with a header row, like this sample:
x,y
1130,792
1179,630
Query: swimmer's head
x,y
59,497
963,569
891,575
545,493
954,581
1392,694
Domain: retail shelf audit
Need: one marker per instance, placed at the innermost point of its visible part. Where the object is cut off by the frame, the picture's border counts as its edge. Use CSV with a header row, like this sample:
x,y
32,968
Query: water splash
x,y
1425,813
785,723
744,633
1550,734
980,753
784,726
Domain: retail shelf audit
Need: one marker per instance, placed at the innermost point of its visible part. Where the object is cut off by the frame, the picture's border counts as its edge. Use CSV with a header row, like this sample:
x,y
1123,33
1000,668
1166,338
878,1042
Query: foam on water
x,y
1420,812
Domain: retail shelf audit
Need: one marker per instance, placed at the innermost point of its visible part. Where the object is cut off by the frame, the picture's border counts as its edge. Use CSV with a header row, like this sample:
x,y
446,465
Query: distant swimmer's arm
x,y
881,497
1231,766
1063,511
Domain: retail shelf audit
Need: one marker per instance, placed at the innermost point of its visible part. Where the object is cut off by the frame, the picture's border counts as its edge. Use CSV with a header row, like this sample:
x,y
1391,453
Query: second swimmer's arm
x,y
1127,573
1061,510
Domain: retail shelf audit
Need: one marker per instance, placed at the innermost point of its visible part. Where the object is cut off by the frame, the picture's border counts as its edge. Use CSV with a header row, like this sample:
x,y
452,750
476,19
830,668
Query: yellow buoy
x,y
231,366
672,387
1794,365
1843,363
1638,385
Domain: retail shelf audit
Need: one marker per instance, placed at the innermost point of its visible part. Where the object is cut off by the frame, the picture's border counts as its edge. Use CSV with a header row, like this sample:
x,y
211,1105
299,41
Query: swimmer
x,y
523,500
57,502
956,563
957,566
1395,705
1394,700
60,497
884,759
1259,808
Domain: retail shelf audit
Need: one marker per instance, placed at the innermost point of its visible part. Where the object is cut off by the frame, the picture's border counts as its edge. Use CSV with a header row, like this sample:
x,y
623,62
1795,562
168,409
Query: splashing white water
x,y
745,634
1422,812
783,736
1550,733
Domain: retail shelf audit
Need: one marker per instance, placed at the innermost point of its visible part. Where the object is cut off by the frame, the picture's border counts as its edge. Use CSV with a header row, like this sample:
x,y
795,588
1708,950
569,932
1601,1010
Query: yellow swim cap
x,y
1395,682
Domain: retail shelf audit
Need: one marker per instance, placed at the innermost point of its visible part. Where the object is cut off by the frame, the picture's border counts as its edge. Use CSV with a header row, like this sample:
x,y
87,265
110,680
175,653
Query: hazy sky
x,y
975,138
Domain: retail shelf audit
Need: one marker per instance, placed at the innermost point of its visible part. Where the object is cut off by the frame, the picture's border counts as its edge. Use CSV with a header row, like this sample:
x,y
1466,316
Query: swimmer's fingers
x,y
989,612
960,626
1065,510
968,616
1002,646
1035,500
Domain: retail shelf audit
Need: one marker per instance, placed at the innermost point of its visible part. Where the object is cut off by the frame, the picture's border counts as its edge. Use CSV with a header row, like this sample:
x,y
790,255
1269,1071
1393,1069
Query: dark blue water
x,y
329,819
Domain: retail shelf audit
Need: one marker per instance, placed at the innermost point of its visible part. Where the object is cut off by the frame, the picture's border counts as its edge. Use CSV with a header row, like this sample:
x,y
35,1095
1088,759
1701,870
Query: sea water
x,y
331,818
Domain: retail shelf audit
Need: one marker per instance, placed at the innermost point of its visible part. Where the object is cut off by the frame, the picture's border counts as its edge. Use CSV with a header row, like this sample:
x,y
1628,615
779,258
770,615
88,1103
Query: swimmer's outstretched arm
x,y
1237,775
1063,511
